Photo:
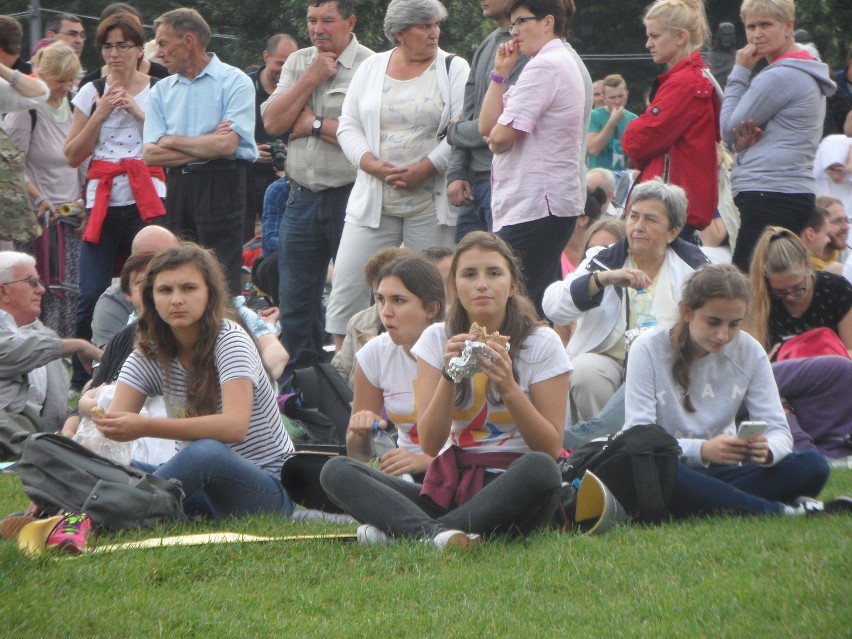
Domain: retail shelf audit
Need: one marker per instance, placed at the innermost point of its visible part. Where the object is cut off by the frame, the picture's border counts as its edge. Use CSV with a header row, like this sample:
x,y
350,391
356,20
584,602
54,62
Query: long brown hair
x,y
714,281
521,318
778,251
156,340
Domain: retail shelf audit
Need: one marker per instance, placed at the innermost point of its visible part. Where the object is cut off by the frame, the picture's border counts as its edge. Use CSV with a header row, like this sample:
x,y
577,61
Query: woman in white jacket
x,y
395,114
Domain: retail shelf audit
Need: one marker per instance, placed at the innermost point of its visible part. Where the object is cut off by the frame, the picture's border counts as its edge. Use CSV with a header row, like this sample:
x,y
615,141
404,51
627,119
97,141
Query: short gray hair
x,y
184,20
402,14
670,195
9,260
607,176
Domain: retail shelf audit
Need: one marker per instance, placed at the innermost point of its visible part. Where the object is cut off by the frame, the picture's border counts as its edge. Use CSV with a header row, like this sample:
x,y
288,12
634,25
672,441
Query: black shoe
x,y
842,504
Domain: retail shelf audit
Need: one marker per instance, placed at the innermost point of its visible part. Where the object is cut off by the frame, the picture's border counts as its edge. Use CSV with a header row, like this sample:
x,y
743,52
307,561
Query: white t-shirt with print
x,y
389,368
480,426
120,138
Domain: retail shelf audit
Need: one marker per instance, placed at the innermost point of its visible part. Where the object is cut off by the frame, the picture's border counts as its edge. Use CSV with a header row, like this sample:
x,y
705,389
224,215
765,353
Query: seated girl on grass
x,y
505,422
218,396
692,378
410,297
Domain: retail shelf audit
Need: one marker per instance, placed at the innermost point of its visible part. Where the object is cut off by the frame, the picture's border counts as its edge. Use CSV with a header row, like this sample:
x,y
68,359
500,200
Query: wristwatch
x,y
316,126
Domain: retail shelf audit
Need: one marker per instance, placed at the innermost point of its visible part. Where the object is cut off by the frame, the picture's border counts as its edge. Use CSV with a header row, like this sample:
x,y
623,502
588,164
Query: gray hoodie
x,y
787,101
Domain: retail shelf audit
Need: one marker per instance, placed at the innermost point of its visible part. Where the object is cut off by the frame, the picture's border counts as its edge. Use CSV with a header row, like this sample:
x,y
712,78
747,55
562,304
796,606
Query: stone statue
x,y
721,56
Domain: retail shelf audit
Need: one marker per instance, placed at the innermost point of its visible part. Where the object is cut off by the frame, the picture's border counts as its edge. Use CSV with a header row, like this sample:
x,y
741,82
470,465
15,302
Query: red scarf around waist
x,y
456,475
139,177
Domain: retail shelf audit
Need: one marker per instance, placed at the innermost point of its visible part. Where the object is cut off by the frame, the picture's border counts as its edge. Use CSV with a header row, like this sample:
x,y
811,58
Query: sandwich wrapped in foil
x,y
466,364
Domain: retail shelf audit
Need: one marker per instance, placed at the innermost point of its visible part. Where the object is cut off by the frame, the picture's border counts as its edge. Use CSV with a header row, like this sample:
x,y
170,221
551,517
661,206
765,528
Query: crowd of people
x,y
595,269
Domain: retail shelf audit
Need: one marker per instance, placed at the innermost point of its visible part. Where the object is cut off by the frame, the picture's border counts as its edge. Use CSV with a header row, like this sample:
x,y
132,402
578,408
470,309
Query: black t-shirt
x,y
116,351
832,301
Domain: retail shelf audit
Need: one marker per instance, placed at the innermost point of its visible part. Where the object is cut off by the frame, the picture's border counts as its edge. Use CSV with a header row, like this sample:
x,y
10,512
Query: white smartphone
x,y
750,429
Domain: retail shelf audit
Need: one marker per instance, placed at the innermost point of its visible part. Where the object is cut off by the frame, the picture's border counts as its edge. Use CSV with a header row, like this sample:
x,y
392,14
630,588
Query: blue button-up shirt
x,y
179,106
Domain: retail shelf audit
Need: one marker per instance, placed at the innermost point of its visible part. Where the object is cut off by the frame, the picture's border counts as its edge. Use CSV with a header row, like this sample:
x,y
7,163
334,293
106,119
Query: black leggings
x,y
516,502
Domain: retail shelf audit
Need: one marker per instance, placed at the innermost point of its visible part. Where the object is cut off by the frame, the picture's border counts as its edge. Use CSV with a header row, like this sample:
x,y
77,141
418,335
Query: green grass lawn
x,y
725,577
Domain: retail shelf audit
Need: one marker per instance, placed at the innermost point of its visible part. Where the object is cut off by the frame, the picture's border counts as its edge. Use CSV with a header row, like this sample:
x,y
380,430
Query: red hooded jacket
x,y
676,137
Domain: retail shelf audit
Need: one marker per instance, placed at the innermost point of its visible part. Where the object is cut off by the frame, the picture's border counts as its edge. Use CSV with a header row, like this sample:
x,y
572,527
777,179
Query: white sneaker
x,y
456,538
804,506
372,536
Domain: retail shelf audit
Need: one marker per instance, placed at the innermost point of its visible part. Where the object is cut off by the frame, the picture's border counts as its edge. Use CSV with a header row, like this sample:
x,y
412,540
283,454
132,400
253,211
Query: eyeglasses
x,y
32,280
74,34
792,293
519,21
121,46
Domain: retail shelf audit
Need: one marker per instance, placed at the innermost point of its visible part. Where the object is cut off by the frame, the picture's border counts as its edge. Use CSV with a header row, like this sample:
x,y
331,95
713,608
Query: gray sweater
x,y
470,154
787,101
718,384
22,353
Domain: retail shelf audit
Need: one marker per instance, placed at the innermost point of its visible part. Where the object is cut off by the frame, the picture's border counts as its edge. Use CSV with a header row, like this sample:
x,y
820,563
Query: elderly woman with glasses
x,y
395,115
122,194
33,379
600,295
789,297
537,133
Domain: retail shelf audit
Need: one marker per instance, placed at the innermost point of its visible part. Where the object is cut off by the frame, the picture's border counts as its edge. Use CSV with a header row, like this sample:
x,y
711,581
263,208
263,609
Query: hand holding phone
x,y
750,429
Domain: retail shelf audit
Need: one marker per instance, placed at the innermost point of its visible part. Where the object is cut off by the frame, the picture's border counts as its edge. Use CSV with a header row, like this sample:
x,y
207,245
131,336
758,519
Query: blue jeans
x,y
310,234
218,482
97,266
748,489
607,422
475,216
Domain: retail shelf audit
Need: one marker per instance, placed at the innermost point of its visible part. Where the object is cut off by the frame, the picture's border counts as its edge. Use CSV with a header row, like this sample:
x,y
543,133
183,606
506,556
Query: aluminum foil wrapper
x,y
631,335
465,365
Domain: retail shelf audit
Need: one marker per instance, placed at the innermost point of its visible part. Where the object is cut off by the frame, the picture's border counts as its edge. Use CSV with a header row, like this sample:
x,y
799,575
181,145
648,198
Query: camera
x,y
278,149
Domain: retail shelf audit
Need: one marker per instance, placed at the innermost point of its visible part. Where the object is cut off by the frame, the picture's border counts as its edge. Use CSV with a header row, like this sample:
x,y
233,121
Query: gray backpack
x,y
61,475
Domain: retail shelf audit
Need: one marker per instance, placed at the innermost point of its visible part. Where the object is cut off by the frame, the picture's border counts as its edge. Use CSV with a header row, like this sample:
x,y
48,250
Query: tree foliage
x,y
599,28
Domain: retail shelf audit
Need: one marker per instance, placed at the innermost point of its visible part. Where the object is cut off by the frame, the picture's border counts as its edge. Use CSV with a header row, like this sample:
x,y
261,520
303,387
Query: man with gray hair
x,y
604,179
33,379
199,123
307,104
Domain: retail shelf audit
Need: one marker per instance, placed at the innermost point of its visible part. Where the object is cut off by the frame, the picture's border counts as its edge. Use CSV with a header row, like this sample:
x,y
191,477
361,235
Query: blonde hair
x,y
783,10
57,62
779,251
682,15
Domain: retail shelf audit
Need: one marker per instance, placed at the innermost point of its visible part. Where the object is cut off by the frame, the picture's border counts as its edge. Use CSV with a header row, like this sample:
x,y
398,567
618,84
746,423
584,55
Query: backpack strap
x,y
449,62
32,120
649,494
100,87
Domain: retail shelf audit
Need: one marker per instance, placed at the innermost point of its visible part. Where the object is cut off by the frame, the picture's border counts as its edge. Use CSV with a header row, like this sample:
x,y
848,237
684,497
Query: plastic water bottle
x,y
645,317
382,442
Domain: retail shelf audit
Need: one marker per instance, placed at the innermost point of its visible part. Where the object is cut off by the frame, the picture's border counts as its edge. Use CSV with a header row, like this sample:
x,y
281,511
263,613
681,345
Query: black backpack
x,y
638,465
61,475
322,405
